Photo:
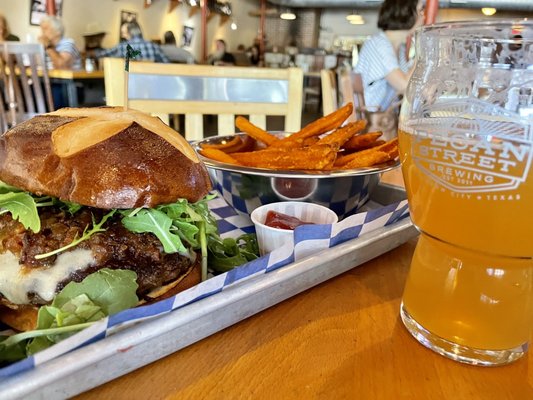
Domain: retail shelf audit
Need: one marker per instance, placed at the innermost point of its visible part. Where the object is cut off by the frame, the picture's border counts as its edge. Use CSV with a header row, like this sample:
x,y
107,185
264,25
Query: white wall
x,y
78,15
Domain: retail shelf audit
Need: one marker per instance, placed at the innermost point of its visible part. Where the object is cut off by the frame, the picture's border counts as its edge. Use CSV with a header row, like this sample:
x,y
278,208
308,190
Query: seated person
x,y
221,56
174,53
61,52
131,31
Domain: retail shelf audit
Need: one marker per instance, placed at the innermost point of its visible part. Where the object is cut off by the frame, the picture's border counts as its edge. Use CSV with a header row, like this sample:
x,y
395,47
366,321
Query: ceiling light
x,y
488,11
233,26
355,19
353,15
287,15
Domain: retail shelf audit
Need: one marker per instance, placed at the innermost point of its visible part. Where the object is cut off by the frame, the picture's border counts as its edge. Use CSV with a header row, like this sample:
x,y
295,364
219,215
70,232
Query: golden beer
x,y
474,284
466,147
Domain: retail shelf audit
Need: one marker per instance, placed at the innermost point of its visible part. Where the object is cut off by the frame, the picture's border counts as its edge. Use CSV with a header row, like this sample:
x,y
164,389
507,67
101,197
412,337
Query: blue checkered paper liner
x,y
308,239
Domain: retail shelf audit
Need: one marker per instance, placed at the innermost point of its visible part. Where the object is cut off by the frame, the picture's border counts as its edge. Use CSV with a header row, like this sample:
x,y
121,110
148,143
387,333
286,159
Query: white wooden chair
x,y
27,89
329,91
351,89
195,90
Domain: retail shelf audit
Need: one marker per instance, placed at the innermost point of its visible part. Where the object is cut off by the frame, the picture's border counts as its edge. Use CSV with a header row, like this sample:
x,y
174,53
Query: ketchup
x,y
279,220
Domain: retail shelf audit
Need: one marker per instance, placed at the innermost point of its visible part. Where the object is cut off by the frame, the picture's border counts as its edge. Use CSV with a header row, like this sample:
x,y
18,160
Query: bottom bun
x,y
191,278
24,318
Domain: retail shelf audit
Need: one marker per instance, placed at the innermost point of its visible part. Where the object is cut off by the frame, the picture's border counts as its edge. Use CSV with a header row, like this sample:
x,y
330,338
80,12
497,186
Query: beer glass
x,y
466,137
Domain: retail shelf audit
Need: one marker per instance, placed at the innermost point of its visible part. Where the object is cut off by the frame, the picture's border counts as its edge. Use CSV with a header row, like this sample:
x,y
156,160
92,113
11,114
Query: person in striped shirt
x,y
383,62
61,52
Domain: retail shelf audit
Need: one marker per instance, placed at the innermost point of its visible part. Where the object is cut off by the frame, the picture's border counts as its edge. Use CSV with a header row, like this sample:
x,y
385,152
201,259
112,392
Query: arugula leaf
x,y
226,254
71,207
97,227
22,207
186,231
158,223
76,307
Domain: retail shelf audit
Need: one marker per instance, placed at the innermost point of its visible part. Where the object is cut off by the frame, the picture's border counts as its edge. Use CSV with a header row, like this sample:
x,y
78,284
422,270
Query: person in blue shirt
x,y
383,62
131,31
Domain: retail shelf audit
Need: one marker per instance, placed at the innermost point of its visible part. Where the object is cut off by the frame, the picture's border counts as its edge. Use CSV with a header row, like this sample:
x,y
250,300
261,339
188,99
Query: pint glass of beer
x,y
466,138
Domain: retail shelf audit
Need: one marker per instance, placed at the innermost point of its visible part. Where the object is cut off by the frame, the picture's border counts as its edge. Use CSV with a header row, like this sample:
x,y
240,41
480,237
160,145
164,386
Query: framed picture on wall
x,y
38,10
186,38
126,16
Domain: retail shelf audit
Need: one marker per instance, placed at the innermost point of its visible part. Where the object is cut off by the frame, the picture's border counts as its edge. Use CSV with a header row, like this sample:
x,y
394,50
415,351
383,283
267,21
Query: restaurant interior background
x,y
315,29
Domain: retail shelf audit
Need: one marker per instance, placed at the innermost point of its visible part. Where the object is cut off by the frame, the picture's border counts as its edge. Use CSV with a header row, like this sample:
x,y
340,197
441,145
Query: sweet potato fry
x,y
310,141
247,144
317,157
362,141
339,136
318,127
378,142
218,155
254,131
366,158
369,159
335,148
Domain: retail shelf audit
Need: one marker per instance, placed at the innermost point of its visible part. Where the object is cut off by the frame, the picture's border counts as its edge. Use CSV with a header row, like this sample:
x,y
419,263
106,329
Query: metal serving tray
x,y
134,347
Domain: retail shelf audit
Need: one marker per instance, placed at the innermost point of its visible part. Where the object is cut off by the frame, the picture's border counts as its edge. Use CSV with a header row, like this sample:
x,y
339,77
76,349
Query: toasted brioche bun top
x,y
102,157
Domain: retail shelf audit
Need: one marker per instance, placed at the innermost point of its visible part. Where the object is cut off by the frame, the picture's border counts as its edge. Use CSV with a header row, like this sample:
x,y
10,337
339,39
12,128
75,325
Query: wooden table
x,y
70,79
342,339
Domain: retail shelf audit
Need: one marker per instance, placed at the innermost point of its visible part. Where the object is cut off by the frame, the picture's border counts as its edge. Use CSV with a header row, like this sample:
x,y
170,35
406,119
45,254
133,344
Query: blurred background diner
x,y
220,55
61,51
313,35
173,52
132,33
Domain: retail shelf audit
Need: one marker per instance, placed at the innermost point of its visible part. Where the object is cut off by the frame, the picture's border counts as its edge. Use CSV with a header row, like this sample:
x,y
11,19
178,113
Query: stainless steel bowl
x,y
246,188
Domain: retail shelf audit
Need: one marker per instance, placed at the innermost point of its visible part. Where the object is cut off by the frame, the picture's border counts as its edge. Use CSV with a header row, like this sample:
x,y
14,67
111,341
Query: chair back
x,y
328,81
351,90
195,90
351,87
358,91
25,78
3,119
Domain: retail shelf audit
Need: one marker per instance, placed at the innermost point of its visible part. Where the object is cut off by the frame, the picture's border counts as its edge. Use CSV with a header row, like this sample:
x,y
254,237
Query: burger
x,y
92,188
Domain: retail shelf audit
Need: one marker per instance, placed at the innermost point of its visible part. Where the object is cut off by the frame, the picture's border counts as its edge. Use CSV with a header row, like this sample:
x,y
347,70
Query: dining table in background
x,y
342,339
91,85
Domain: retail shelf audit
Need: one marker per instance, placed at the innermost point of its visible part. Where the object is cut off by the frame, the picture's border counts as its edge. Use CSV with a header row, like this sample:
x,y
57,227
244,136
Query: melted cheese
x,y
16,283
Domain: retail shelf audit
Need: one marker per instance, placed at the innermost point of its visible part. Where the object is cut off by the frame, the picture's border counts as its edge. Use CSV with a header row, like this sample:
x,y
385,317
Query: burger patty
x,y
115,248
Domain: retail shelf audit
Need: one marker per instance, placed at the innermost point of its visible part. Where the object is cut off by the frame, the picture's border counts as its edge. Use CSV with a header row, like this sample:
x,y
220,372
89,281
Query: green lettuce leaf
x,y
112,290
22,207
